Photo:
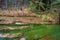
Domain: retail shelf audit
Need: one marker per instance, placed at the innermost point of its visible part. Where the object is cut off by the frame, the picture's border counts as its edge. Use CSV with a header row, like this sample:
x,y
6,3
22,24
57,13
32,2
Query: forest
x,y
29,19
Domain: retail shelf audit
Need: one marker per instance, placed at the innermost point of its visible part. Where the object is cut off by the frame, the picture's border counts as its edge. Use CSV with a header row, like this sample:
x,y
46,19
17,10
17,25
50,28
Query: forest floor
x,y
26,16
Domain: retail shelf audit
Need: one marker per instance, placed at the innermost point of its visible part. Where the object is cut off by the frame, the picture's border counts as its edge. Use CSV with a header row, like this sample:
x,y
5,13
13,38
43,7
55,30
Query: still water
x,y
30,31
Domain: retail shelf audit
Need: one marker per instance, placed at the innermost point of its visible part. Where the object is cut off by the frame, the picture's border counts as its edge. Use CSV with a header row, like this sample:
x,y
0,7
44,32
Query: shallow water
x,y
32,31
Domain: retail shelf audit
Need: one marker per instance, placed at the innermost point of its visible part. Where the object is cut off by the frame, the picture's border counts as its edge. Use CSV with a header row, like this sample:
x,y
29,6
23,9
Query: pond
x,y
31,31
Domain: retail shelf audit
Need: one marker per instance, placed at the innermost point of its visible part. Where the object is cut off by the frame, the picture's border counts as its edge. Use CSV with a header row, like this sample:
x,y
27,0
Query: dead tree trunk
x,y
59,15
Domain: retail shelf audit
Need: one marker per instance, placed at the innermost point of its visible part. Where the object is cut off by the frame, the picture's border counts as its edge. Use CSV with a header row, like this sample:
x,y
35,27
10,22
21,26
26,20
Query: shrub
x,y
44,18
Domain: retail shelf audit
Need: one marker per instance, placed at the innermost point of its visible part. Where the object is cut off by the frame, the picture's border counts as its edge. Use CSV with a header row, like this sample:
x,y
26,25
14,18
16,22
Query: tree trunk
x,y
59,15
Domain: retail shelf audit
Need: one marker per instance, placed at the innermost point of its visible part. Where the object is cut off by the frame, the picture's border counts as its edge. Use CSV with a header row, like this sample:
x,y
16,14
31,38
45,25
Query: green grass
x,y
35,31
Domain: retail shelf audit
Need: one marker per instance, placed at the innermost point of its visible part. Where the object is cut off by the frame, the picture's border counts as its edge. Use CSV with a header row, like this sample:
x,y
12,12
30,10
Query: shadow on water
x,y
2,38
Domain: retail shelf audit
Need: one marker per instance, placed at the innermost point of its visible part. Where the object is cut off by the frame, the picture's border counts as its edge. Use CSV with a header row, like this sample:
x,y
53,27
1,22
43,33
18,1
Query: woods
x,y
13,3
35,7
29,19
44,4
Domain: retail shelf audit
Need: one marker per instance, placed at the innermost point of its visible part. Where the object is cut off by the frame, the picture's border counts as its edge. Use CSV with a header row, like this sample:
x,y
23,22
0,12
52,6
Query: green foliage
x,y
45,18
33,7
51,5
41,3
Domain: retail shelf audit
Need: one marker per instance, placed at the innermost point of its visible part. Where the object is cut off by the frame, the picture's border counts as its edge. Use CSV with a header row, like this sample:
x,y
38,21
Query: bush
x,y
44,18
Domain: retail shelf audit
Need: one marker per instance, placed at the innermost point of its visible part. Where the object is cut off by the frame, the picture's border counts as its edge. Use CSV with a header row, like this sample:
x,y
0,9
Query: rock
x,y
19,23
4,35
23,38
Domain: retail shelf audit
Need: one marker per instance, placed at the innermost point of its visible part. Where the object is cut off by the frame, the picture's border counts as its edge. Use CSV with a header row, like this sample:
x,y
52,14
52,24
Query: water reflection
x,y
2,38
33,31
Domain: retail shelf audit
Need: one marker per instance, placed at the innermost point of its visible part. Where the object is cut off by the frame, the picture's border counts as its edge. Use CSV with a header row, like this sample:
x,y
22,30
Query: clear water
x,y
33,31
